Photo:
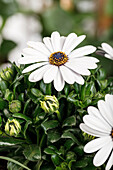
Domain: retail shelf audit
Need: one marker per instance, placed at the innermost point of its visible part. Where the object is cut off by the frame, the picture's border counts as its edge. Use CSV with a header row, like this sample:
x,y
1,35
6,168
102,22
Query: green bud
x,y
15,106
7,74
12,127
9,95
50,104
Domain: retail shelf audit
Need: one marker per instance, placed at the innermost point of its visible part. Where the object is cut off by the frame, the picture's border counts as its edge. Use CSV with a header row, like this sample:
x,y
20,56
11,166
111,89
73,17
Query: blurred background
x,y
23,20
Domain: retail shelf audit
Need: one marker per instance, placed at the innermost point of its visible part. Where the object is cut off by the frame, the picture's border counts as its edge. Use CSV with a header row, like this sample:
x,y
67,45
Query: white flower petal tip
x,y
99,123
55,60
108,50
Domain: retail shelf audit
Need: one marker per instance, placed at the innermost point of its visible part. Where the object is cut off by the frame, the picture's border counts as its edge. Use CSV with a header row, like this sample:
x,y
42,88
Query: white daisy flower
x,y
108,50
99,123
55,60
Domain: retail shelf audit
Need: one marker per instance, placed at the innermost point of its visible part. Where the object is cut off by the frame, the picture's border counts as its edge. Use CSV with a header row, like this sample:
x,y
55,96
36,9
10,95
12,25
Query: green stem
x,y
14,161
37,132
58,115
3,24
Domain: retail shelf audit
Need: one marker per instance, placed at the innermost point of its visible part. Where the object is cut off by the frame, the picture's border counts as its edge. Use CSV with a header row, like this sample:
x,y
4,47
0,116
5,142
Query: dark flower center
x,y
58,58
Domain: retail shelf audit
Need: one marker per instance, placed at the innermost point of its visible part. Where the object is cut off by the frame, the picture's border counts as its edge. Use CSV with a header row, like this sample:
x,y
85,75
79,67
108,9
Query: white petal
x,y
105,111
110,162
82,51
91,131
47,42
97,124
95,112
38,74
102,155
31,59
62,40
109,101
108,56
77,68
67,74
39,46
78,78
55,39
75,41
33,67
107,48
69,43
59,81
50,74
33,52
97,144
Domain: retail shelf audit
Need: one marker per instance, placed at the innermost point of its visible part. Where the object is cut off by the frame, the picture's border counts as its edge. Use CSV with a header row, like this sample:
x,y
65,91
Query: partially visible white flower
x,y
17,30
55,60
108,50
86,6
99,123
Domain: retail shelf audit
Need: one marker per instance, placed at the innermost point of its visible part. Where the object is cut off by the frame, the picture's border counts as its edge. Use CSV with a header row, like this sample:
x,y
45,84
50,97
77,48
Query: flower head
x,y
50,104
108,50
15,106
99,123
56,60
7,74
12,127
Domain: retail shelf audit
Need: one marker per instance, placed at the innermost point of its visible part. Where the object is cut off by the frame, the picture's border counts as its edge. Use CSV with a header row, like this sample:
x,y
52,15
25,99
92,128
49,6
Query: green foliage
x,y
50,140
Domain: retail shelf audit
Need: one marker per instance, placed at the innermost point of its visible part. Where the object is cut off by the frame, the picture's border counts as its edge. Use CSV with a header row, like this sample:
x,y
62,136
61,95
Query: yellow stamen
x,y
58,58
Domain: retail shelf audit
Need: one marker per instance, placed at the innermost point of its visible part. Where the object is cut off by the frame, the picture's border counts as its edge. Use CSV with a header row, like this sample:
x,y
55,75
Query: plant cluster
x,y
39,127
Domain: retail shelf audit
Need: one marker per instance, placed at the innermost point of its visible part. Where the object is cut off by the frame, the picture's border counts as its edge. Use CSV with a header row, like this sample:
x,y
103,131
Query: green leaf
x,y
55,159
3,104
71,136
8,141
6,47
8,8
70,121
80,164
25,127
21,97
21,116
53,136
32,152
69,143
36,92
79,150
50,124
3,86
49,151
26,105
14,161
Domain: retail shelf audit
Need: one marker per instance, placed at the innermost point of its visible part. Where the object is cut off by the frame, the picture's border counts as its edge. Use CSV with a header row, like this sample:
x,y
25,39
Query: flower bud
x,y
7,74
9,95
50,104
12,127
15,106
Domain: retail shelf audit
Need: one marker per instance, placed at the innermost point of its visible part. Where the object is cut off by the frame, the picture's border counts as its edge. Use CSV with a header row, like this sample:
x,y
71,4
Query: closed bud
x,y
15,106
9,95
12,127
50,104
7,74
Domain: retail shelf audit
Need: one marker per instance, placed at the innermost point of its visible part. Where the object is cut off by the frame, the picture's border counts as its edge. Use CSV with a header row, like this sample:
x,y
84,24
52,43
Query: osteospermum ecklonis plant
x,y
55,60
99,123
